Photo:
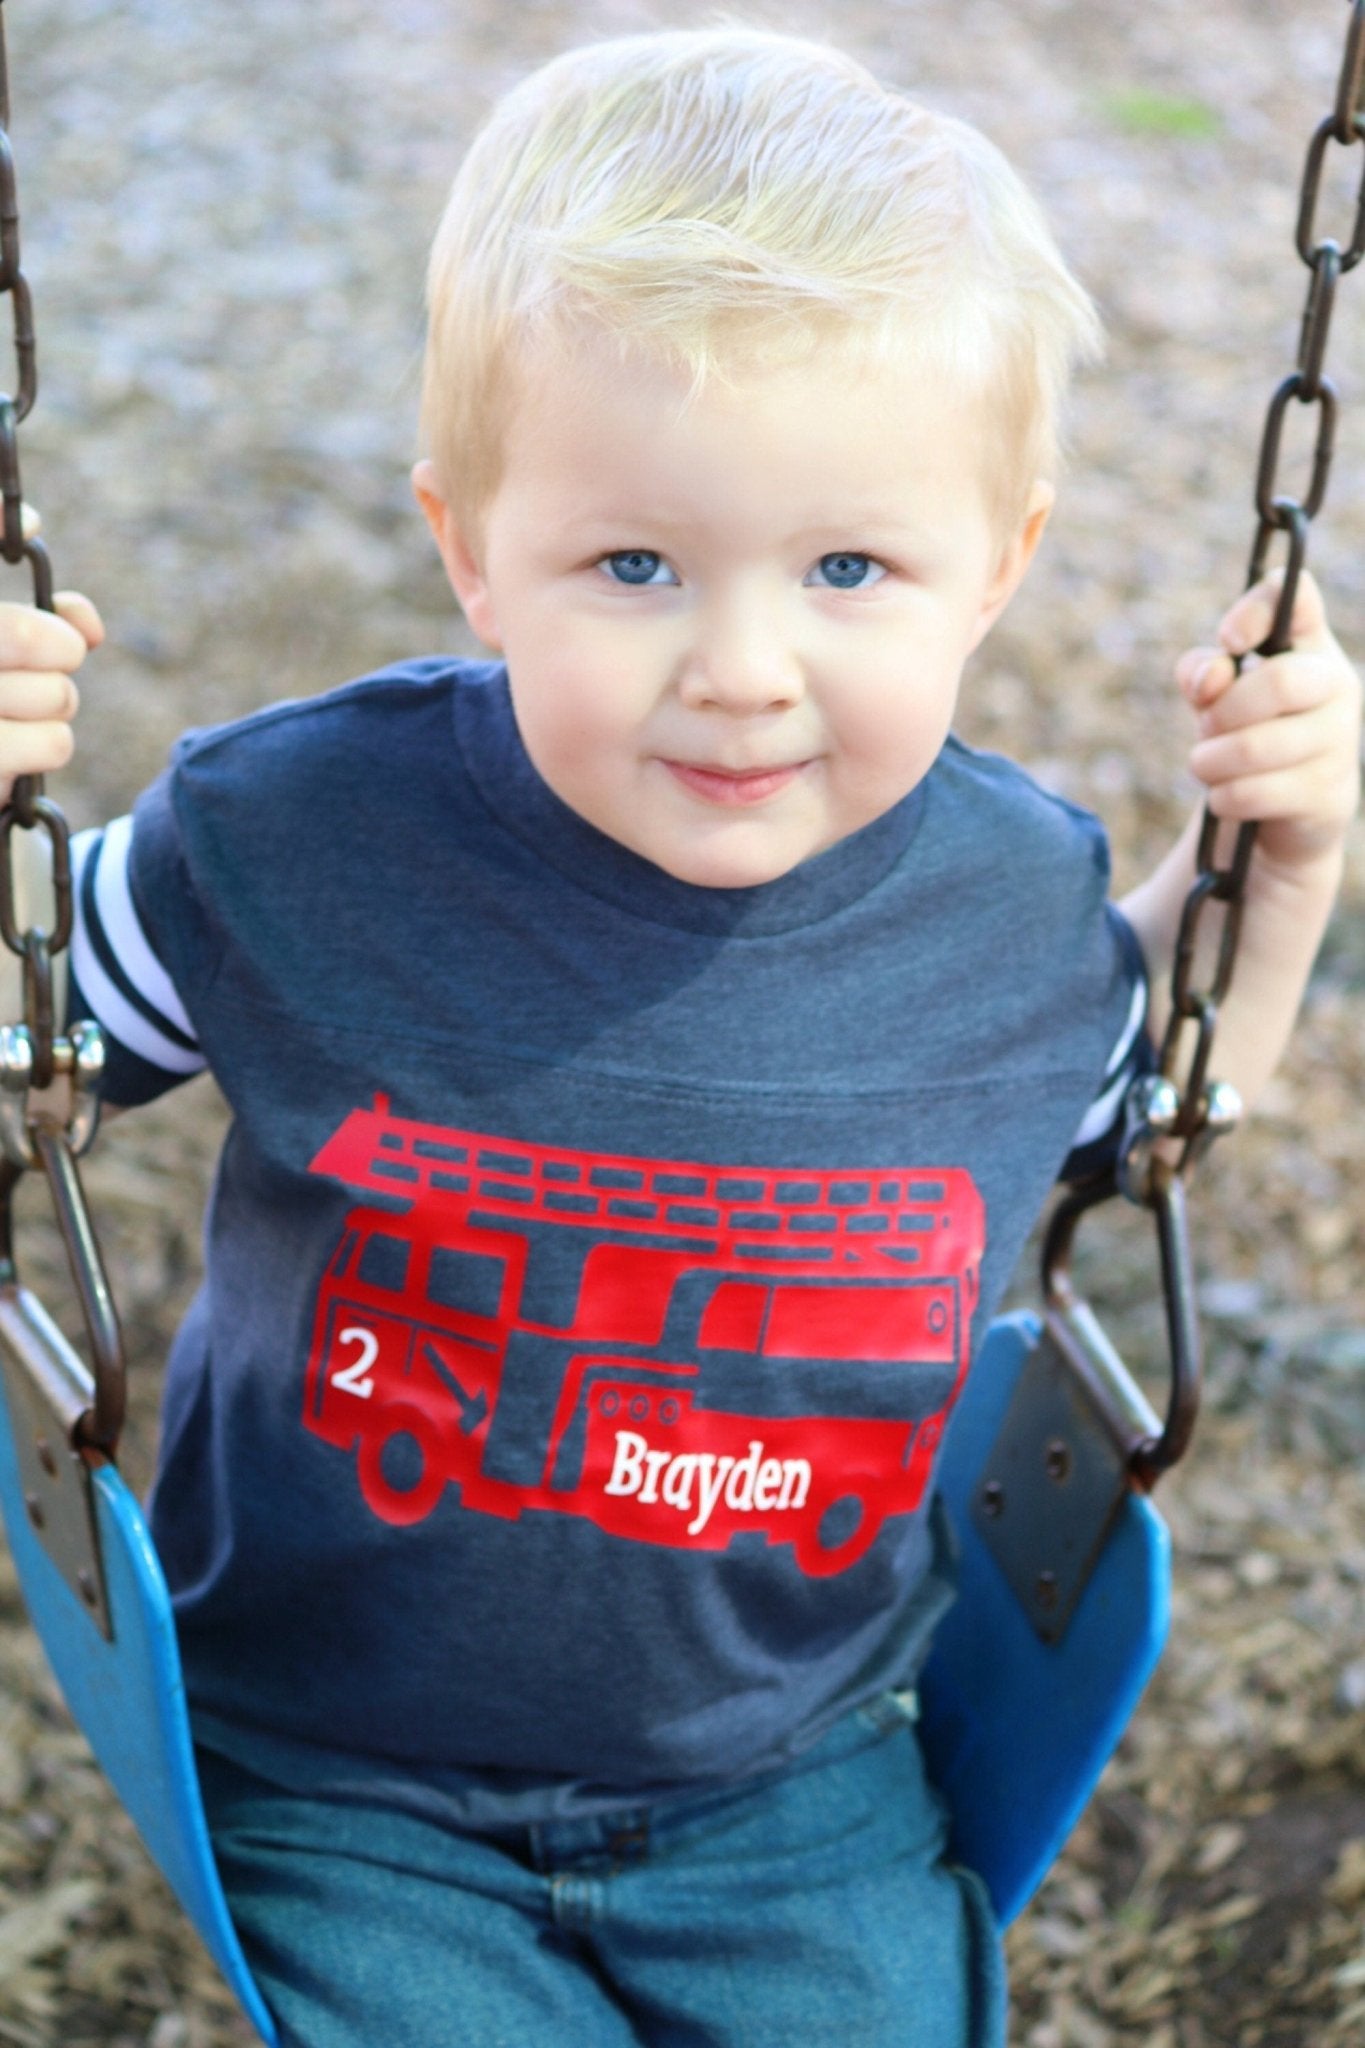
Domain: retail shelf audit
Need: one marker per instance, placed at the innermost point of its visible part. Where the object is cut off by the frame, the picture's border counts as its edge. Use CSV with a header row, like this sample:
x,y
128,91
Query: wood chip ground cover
x,y
224,218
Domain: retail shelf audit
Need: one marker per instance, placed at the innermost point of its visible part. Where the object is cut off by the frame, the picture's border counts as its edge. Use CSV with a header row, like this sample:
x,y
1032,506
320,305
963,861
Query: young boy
x,y
648,1050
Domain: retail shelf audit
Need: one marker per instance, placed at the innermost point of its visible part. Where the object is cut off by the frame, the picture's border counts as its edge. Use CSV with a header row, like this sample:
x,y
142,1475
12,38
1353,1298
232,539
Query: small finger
x,y
1247,623
35,639
30,521
31,693
1277,798
79,612
1203,674
35,749
1258,750
1279,687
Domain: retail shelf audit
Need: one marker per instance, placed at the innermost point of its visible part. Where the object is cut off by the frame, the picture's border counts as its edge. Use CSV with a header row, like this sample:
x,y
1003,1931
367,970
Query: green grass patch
x,y
1158,113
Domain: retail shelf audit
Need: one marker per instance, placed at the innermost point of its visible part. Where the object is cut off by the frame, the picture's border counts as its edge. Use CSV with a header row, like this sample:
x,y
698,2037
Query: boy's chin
x,y
726,867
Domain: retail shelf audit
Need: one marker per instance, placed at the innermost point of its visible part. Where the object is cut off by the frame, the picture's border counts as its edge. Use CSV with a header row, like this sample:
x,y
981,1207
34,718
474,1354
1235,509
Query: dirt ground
x,y
225,210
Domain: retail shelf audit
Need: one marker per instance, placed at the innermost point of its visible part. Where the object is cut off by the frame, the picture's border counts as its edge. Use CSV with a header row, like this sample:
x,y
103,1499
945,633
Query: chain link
x,y
1188,1042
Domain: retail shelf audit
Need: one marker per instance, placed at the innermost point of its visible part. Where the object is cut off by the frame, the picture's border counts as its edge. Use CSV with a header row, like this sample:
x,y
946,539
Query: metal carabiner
x,y
1147,1454
100,1428
90,1418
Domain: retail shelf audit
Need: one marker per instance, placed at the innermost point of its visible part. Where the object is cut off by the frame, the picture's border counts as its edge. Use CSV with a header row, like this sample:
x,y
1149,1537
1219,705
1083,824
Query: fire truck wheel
x,y
401,1505
836,1535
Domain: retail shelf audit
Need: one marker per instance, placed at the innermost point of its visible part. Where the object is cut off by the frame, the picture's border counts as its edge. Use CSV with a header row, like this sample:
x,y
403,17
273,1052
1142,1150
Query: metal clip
x,y
16,1080
1154,1111
78,1069
1157,1451
101,1426
1151,1111
86,1040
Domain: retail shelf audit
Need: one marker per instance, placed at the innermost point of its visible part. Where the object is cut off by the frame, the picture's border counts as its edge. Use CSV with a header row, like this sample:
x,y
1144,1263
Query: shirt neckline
x,y
513,791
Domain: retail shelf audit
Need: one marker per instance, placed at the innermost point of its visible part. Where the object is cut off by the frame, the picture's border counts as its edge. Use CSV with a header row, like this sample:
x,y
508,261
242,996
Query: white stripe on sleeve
x,y
123,928
1117,1074
126,939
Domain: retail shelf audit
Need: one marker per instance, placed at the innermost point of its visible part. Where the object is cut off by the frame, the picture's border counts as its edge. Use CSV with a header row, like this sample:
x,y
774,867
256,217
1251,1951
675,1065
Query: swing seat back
x,y
125,1691
1016,1730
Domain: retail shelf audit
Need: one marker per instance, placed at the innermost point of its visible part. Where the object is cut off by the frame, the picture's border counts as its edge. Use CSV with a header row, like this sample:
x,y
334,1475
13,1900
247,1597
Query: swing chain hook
x,y
1147,1454
1171,1117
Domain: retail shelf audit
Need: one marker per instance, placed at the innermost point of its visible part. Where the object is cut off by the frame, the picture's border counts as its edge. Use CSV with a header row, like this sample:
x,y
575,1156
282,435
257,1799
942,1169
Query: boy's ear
x,y
461,564
1015,557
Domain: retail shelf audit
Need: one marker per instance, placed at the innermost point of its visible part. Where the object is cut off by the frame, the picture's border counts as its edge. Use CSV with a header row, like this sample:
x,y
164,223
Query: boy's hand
x,y
38,653
1279,742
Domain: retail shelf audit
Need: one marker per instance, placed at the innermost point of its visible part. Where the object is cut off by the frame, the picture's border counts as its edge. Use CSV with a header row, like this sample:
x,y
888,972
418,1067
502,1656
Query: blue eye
x,y
847,571
638,566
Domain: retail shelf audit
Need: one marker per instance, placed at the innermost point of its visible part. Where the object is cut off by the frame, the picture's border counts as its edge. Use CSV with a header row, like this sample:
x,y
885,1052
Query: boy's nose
x,y
742,666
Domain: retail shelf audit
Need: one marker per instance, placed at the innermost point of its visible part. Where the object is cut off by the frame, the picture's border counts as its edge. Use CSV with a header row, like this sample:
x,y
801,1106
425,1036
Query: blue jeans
x,y
808,1909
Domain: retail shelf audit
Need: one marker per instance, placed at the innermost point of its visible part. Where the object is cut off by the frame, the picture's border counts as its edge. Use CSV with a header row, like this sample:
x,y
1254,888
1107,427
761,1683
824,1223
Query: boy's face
x,y
734,630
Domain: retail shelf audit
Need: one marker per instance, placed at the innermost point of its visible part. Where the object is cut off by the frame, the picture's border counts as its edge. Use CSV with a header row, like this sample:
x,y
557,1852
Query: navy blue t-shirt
x,y
594,1259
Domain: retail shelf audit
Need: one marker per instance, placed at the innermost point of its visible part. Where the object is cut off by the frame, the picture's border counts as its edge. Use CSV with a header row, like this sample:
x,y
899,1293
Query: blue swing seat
x,y
127,1694
1016,1730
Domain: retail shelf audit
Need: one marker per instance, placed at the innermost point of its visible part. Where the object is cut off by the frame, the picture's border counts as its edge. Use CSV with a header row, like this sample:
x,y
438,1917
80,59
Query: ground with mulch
x,y
224,217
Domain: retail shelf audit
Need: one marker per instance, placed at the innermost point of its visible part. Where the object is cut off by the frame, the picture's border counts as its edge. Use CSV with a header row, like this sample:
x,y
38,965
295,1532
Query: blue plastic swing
x,y
1017,1729
125,1691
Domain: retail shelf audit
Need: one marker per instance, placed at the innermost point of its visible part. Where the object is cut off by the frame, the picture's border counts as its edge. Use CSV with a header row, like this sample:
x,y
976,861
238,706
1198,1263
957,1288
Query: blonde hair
x,y
728,197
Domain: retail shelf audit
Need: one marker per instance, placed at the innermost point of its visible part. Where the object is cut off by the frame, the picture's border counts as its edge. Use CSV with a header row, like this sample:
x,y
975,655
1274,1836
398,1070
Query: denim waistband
x,y
627,1834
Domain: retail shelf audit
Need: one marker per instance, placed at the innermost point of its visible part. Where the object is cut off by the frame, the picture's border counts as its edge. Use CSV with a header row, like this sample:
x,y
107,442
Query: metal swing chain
x,y
35,1054
1179,1104
1196,1114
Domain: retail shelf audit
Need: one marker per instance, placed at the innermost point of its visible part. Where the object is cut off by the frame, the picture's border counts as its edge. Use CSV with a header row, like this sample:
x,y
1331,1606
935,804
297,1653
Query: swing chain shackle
x,y
49,1081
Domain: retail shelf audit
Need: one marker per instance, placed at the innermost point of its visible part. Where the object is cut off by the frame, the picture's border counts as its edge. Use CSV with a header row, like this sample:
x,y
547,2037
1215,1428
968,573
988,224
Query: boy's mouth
x,y
730,786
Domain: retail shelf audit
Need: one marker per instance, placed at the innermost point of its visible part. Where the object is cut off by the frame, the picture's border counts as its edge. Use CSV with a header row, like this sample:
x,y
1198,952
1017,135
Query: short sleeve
x,y
119,970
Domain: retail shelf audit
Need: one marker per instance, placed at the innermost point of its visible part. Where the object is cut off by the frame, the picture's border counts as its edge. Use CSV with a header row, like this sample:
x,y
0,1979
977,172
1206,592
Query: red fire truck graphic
x,y
660,1394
